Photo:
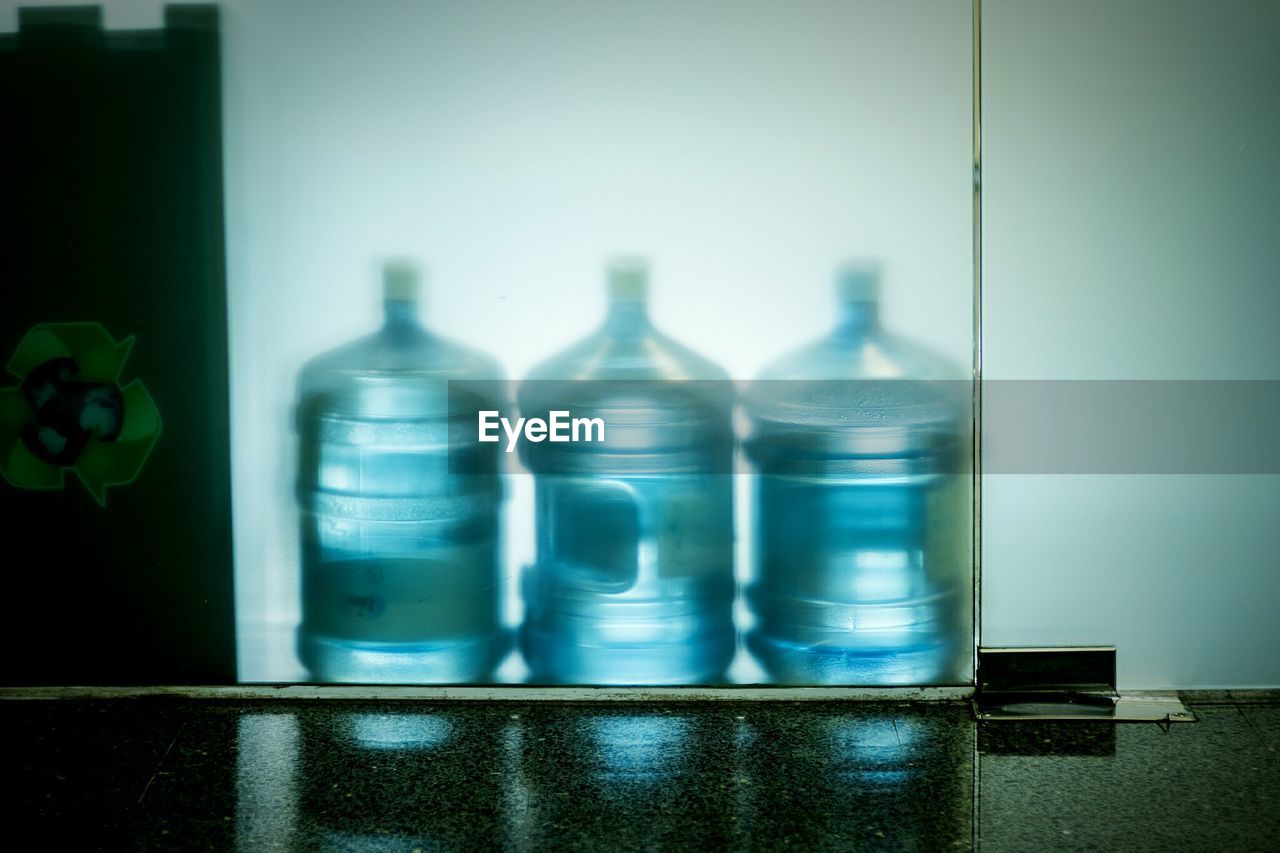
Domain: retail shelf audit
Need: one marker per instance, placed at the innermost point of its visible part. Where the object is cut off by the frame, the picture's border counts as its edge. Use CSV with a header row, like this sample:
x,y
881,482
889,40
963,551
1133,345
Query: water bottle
x,y
861,519
633,579
399,513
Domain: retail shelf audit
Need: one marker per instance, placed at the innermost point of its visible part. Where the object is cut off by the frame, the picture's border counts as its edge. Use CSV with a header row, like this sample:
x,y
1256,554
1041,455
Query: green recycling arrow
x,y
75,414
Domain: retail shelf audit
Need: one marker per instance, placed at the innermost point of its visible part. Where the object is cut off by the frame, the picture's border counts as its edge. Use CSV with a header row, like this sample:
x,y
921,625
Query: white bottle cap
x,y
859,281
628,280
401,281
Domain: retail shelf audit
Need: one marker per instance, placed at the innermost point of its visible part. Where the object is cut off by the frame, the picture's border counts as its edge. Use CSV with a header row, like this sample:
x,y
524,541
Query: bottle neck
x,y
399,313
858,317
627,317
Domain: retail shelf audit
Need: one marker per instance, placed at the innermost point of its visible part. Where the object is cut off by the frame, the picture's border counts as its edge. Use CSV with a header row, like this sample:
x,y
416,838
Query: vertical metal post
x,y
977,331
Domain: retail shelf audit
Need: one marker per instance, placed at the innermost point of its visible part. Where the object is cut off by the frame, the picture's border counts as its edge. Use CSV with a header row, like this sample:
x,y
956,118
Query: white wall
x,y
1132,231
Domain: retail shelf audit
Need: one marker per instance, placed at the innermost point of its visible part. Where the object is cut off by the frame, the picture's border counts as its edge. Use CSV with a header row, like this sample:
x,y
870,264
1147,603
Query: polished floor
x,y
168,774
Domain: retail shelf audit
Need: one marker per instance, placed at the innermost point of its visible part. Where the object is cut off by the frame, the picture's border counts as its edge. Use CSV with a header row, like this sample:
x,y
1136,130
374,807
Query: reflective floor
x,y
169,774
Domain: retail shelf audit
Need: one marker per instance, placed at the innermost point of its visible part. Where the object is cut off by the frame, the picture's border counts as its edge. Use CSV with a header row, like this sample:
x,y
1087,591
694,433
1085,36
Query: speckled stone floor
x,y
168,774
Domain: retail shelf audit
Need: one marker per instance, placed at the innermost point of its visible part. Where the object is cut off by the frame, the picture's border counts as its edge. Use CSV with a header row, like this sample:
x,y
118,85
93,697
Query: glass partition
x,y
601,343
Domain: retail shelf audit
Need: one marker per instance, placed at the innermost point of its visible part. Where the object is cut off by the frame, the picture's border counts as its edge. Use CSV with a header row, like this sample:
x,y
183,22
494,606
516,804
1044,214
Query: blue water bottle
x,y
399,511
861,525
633,579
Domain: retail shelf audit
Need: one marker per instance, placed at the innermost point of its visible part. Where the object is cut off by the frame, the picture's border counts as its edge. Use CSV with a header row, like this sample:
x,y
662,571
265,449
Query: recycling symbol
x,y
70,411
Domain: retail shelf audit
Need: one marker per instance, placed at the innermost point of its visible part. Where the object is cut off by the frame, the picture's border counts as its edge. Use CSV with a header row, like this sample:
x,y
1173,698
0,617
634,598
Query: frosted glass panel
x,y
1130,161
606,193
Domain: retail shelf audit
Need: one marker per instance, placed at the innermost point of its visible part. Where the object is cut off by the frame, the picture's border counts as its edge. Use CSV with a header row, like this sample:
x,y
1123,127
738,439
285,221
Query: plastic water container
x,y
861,506
400,539
633,579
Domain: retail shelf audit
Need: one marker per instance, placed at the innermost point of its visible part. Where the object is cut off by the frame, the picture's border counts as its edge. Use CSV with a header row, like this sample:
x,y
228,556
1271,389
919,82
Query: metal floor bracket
x,y
1067,683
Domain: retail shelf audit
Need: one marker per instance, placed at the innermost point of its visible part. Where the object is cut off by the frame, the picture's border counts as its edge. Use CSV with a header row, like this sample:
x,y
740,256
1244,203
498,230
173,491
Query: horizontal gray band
x,y
885,428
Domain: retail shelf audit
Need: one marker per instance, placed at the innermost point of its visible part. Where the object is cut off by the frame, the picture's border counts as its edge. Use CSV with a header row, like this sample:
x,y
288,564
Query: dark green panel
x,y
112,214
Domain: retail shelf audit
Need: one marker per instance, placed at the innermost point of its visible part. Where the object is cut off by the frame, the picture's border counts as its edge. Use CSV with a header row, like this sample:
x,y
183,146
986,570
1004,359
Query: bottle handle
x,y
646,543
585,567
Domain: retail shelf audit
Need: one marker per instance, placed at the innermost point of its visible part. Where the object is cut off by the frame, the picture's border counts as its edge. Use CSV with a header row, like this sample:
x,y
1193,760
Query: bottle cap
x,y
400,281
859,281
628,280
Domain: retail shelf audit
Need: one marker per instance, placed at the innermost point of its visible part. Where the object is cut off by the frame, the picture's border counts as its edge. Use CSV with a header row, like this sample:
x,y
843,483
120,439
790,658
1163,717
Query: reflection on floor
x,y
169,774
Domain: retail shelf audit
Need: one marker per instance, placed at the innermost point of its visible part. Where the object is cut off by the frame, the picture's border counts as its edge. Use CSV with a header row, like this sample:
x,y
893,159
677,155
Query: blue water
x,y
845,594
634,583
